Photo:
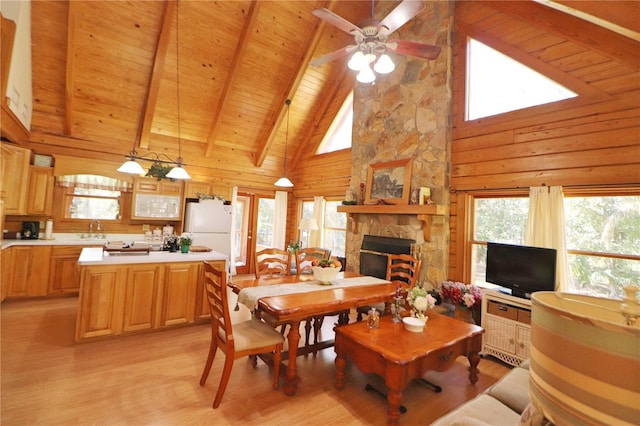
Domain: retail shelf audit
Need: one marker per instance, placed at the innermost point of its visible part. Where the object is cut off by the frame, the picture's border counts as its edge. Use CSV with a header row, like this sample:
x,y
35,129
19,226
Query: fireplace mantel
x,y
423,213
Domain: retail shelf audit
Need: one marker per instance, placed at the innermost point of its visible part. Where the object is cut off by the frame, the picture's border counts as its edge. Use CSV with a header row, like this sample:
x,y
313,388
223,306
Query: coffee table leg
x,y
394,398
474,359
341,362
293,337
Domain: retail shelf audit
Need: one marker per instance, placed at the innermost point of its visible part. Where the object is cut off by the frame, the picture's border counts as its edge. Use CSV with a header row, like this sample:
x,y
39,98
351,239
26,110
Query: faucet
x,y
99,227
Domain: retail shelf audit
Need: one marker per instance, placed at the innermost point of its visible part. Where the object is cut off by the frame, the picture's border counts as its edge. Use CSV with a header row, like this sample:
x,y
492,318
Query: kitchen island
x,y
135,293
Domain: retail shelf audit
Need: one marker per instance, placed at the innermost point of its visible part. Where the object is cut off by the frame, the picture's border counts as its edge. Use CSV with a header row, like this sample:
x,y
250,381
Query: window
x,y
92,197
333,226
339,134
498,84
266,209
602,235
335,229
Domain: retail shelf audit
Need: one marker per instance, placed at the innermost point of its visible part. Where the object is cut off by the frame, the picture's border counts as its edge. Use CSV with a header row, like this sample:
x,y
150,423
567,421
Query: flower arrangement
x,y
186,239
467,295
420,300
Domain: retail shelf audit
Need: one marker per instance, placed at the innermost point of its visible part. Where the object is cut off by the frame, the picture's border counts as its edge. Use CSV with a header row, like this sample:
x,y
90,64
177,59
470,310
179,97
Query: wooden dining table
x,y
292,308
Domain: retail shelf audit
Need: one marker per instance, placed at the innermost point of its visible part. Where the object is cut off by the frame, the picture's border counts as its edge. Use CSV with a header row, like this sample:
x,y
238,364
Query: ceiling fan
x,y
372,43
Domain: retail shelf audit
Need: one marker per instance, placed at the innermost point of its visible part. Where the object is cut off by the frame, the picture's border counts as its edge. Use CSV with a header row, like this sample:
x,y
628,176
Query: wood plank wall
x,y
592,140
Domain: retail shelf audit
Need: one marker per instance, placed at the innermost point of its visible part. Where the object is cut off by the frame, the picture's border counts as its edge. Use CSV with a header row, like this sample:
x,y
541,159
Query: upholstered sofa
x,y
501,404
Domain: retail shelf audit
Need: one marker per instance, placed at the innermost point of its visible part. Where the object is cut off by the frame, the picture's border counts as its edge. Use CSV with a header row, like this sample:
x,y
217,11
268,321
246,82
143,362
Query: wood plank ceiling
x,y
106,74
108,77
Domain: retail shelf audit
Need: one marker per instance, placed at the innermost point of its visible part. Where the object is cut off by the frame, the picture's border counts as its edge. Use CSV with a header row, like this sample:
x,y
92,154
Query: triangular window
x,y
339,134
498,84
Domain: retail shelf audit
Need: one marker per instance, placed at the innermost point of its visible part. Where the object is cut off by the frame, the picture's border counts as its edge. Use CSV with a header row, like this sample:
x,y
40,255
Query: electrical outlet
x,y
146,228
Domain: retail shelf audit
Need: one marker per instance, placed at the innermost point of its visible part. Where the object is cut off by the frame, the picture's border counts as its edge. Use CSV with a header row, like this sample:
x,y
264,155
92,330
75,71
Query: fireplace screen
x,y
374,251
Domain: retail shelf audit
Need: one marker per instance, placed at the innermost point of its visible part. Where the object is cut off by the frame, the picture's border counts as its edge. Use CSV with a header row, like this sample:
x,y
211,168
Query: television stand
x,y
506,320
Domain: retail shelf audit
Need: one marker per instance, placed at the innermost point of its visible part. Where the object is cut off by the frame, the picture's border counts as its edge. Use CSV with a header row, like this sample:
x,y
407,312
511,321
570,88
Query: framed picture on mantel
x,y
389,183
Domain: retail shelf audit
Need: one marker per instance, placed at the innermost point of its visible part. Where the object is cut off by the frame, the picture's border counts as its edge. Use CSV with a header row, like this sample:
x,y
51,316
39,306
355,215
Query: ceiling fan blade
x,y
335,20
401,15
332,56
413,48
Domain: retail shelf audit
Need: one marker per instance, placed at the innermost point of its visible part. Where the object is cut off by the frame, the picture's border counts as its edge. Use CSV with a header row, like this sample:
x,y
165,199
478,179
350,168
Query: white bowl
x,y
413,324
325,275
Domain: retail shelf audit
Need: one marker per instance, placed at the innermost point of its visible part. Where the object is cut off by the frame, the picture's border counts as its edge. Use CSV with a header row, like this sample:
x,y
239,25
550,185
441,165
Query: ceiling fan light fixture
x,y
356,62
384,65
366,75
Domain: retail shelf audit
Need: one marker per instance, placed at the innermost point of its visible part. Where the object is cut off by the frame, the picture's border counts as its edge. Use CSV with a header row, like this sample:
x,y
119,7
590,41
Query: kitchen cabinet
x,y
120,299
100,305
14,164
40,194
507,323
27,270
195,189
157,199
179,293
140,297
64,272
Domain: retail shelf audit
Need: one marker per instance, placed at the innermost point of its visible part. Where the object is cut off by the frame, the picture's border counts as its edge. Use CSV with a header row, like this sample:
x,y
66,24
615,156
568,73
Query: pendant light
x,y
284,181
178,172
132,166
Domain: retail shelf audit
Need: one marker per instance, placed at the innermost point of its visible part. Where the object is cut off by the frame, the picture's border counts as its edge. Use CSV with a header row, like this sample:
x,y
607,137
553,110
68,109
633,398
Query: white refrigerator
x,y
210,223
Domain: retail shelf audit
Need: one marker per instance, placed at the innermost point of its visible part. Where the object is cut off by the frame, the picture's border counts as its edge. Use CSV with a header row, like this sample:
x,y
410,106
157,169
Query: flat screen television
x,y
521,269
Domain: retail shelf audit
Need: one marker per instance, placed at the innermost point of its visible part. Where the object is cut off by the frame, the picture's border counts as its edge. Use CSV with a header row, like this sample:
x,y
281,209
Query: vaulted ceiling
x,y
112,76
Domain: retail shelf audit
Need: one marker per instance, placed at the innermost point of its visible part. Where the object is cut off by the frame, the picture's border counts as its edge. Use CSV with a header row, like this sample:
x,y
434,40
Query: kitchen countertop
x,y
72,240
96,256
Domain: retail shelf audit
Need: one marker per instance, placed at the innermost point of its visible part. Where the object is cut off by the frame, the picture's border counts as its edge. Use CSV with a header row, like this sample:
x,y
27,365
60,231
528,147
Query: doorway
x,y
253,228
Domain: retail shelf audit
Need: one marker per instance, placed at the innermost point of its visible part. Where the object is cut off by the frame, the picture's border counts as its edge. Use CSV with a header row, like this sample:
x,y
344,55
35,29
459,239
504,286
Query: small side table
x,y
400,356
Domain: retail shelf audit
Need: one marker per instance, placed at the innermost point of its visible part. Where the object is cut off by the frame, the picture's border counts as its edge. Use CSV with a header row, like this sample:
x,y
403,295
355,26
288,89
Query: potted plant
x,y
185,242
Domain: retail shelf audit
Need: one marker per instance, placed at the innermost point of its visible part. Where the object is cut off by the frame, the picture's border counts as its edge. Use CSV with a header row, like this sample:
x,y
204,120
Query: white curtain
x,y
546,228
280,220
232,243
315,237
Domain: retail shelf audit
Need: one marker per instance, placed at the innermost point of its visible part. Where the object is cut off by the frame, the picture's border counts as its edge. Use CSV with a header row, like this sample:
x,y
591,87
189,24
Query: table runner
x,y
249,296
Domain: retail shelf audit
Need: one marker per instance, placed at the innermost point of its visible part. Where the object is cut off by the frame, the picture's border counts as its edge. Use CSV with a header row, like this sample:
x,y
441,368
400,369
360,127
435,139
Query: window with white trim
x,y
338,135
333,226
497,84
602,231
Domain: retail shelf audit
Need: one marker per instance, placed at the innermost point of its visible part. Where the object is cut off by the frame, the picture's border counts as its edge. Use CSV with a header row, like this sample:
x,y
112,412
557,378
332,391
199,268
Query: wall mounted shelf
x,y
423,213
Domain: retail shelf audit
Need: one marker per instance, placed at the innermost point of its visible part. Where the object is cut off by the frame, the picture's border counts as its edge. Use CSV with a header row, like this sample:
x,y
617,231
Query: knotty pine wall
x,y
592,140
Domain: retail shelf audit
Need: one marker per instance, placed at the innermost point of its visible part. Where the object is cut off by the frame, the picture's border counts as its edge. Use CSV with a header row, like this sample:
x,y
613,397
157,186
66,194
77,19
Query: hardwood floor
x,y
153,379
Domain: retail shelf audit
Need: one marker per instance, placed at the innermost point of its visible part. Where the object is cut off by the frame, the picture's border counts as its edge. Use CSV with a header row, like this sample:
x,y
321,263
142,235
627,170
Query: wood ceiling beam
x,y
586,34
303,63
159,62
239,54
69,75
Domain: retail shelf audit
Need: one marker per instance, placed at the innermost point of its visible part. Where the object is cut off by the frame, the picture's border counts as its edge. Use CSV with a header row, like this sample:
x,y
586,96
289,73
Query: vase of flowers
x,y
419,301
467,299
185,242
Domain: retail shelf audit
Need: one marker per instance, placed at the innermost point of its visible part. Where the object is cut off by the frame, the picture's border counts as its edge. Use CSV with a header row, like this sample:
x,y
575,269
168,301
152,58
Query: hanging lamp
x,y
132,166
284,182
178,172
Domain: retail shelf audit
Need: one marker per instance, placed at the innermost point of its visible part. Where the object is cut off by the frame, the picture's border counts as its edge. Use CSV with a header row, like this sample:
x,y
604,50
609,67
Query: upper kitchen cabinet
x,y
40,195
16,96
157,199
14,164
194,189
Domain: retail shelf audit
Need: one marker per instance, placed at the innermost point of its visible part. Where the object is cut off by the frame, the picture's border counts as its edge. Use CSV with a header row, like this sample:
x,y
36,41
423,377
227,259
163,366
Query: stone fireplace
x,y
406,115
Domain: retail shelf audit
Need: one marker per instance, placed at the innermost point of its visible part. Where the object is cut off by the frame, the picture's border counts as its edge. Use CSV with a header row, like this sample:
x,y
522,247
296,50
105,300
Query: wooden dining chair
x,y
401,268
304,256
272,262
248,338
